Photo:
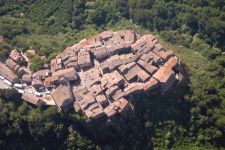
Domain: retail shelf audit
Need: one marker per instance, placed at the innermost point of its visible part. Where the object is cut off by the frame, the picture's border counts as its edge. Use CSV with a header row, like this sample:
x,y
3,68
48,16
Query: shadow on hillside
x,y
171,106
164,112
153,111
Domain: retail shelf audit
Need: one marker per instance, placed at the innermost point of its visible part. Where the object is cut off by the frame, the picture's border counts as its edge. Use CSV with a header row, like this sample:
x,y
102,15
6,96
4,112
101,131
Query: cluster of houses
x,y
12,66
14,62
99,76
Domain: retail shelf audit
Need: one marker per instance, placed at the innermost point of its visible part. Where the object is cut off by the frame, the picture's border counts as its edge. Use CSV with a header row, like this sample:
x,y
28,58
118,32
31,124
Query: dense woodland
x,y
192,116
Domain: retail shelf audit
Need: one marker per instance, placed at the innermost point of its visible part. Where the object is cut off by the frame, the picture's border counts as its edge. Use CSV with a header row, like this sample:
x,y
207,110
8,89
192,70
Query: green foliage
x,y
205,49
177,38
76,141
9,94
160,15
36,64
4,50
21,123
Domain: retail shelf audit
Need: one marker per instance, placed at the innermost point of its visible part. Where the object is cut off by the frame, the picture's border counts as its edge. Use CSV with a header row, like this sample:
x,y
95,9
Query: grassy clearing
x,y
194,60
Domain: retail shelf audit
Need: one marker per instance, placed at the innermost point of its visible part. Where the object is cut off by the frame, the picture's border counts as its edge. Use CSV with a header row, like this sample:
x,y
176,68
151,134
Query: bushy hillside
x,y
190,118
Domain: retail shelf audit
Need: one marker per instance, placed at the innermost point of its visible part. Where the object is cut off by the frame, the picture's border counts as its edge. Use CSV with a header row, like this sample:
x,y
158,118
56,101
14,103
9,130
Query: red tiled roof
x,y
163,74
172,62
150,84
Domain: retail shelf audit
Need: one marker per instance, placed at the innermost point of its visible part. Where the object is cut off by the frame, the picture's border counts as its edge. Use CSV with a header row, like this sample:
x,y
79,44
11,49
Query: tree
x,y
36,64
221,122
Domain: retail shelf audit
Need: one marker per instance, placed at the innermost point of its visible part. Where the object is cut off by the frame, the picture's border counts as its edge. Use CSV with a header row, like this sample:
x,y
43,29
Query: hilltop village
x,y
98,76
